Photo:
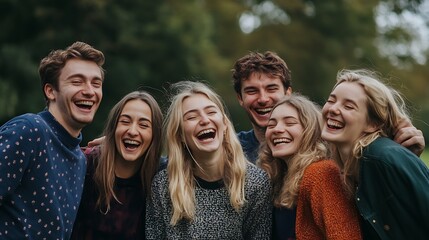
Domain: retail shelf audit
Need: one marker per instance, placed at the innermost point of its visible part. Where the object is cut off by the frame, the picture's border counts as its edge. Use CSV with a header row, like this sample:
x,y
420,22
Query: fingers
x,y
411,138
403,125
96,142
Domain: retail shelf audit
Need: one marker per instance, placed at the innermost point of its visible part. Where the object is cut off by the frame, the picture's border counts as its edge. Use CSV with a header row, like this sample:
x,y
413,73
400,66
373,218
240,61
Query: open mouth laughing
x,y
334,124
84,104
206,134
263,111
281,140
131,144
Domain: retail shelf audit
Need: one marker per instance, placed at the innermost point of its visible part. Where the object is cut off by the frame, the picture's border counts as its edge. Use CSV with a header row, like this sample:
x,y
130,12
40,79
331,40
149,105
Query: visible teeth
x,y
205,132
281,140
87,103
264,110
333,123
132,142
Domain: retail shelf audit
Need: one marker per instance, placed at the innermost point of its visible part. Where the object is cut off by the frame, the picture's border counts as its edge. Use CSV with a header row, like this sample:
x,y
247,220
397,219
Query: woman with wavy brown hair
x,y
388,182
310,200
120,171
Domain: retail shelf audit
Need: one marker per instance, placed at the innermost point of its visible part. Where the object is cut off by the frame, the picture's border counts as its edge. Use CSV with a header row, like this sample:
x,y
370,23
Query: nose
x,y
204,119
88,89
263,98
132,130
334,109
279,128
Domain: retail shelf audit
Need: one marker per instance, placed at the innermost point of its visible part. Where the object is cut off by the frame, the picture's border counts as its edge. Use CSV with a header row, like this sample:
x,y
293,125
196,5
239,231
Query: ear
x,y
288,91
370,128
49,91
240,99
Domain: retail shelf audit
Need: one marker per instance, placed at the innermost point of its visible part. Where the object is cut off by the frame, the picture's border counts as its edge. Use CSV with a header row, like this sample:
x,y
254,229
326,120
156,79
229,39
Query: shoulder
x,y
160,177
19,122
379,145
163,161
322,167
23,130
256,177
246,136
321,172
254,172
383,146
160,183
384,151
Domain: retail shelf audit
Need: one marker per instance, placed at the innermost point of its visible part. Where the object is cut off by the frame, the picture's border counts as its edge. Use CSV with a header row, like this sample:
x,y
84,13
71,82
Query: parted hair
x,y
260,63
51,66
181,181
286,174
385,108
104,175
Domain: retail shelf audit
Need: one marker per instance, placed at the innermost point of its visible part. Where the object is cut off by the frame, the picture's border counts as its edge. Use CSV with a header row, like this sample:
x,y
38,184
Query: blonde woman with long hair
x,y
307,188
120,171
388,182
209,189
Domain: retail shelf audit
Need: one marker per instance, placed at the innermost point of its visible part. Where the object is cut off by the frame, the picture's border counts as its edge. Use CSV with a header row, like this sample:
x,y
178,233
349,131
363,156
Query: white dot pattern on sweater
x,y
42,171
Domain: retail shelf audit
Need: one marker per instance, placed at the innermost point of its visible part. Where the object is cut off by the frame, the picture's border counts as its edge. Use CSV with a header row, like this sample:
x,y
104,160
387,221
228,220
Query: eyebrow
x,y
249,88
196,110
80,75
140,119
347,100
273,85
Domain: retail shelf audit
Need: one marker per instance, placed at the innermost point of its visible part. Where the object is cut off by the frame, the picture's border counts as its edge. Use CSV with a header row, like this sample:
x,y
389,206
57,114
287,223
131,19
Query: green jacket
x,y
393,192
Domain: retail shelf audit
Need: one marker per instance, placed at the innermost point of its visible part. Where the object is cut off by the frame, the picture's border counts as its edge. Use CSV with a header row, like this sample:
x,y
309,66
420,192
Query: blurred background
x,y
149,44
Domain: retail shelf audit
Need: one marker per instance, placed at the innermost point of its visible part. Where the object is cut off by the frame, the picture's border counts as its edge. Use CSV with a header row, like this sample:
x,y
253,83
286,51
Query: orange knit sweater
x,y
323,209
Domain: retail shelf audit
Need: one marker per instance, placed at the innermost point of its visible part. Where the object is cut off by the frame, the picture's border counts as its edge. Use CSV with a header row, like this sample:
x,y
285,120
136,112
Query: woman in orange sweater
x,y
309,197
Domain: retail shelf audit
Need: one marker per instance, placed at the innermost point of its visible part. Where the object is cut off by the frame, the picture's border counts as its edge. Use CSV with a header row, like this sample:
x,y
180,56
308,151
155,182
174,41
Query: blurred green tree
x,y
151,43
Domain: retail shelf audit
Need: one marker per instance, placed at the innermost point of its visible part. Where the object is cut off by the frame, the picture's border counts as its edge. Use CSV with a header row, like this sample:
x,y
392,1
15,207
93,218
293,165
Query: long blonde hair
x,y
180,163
386,108
104,175
286,177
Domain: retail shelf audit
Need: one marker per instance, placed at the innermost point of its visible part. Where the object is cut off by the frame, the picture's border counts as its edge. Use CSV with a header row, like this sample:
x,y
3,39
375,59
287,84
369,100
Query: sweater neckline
x,y
209,185
68,140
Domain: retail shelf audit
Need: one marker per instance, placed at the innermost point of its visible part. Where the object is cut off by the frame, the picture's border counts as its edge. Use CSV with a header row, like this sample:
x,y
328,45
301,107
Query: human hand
x,y
96,142
410,137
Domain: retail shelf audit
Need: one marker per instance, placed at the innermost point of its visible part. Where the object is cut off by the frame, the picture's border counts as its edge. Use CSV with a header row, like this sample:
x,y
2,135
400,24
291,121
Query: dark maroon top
x,y
125,220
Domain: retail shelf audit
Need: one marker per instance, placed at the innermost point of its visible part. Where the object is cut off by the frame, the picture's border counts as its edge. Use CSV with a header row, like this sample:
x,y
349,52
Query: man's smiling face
x,y
259,94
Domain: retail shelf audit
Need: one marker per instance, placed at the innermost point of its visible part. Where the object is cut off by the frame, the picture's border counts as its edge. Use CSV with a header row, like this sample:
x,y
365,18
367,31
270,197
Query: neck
x,y
259,133
209,166
126,169
344,153
58,116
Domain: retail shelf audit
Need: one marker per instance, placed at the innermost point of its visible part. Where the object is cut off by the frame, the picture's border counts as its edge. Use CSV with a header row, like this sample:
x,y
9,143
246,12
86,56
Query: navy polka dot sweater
x,y
42,171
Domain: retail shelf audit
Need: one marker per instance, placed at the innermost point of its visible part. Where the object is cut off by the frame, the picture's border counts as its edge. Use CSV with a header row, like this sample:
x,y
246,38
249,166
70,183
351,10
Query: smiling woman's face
x,y
345,115
203,124
133,133
284,131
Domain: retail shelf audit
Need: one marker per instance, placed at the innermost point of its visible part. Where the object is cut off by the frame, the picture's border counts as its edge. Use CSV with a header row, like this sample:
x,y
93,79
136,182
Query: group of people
x,y
349,170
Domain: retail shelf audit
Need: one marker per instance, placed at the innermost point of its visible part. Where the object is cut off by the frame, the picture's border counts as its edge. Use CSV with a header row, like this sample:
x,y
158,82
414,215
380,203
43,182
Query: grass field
x,y
425,156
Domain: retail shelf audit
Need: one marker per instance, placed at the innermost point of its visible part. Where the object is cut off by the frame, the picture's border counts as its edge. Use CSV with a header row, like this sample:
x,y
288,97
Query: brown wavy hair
x,y
286,175
51,66
260,63
104,175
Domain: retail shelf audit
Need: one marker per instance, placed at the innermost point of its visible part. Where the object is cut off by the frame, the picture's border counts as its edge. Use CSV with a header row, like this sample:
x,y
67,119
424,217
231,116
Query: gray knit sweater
x,y
215,218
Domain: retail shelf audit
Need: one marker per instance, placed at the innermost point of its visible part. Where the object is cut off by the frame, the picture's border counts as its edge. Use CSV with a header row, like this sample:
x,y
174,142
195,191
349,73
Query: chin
x,y
131,159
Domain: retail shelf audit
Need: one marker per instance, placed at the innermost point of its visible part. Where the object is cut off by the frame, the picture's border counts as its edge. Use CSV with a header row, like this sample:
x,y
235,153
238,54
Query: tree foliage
x,y
149,44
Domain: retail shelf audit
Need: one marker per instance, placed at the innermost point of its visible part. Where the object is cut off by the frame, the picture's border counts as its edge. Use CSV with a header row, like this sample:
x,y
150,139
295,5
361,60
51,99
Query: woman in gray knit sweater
x,y
208,190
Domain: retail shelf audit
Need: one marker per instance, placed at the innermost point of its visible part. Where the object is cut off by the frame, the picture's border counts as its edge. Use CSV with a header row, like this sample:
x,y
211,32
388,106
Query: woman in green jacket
x,y
389,183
